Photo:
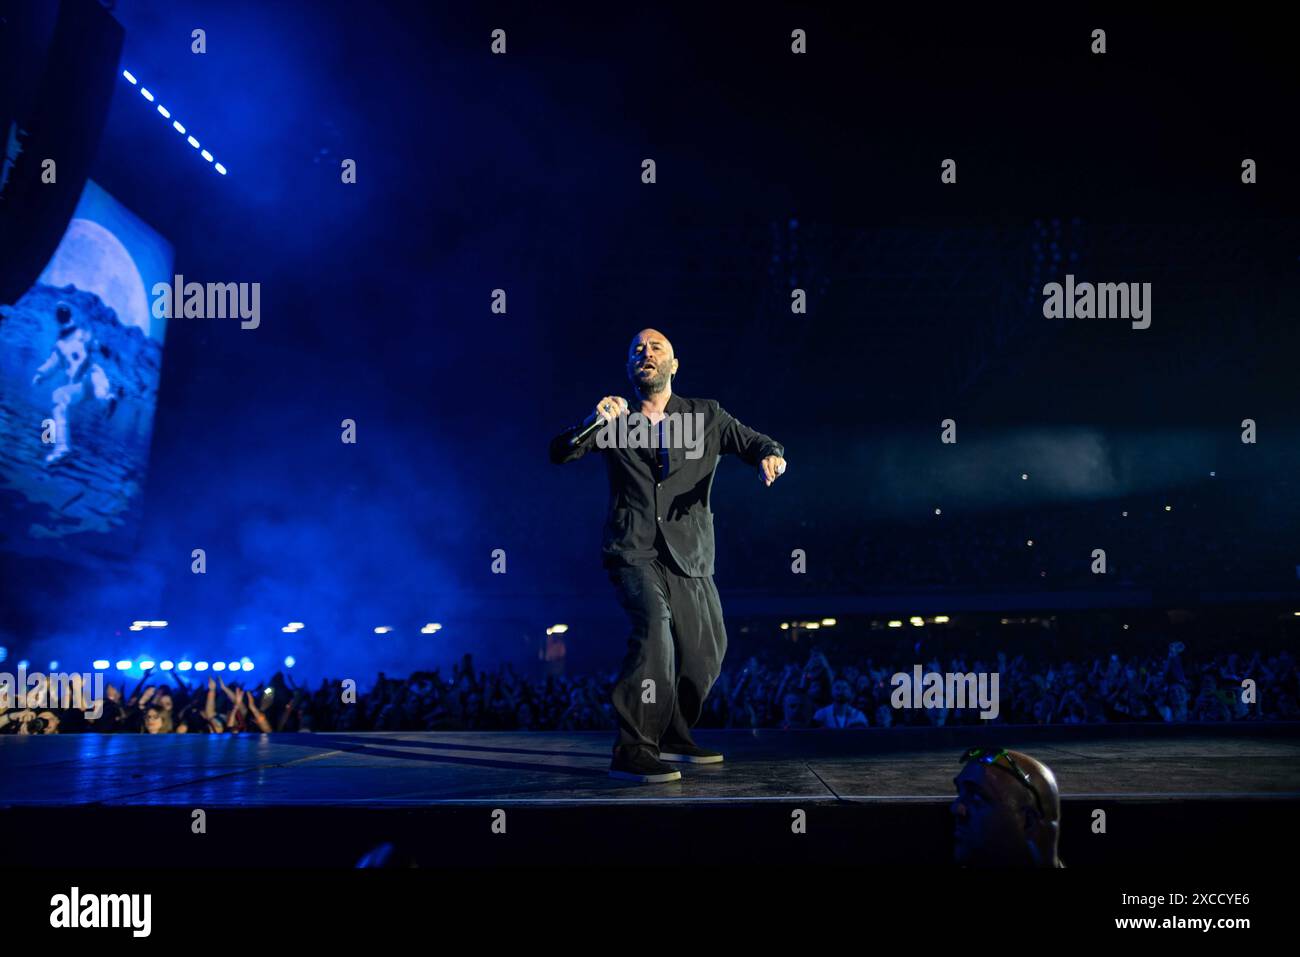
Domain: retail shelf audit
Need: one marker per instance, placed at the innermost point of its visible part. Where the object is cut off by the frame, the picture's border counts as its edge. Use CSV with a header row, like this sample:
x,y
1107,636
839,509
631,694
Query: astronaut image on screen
x,y
73,367
80,362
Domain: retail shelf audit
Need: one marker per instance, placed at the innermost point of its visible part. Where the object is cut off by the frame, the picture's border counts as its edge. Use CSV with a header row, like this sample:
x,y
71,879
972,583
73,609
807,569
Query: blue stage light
x,y
54,666
147,665
124,665
235,666
206,155
290,661
100,664
218,666
185,665
200,666
176,124
167,665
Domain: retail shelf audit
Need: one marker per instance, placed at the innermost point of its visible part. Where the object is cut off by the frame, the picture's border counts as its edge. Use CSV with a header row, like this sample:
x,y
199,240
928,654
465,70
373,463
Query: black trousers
x,y
674,653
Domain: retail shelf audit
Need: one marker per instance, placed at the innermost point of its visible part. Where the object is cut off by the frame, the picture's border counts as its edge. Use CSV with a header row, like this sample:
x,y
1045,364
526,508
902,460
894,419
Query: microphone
x,y
588,431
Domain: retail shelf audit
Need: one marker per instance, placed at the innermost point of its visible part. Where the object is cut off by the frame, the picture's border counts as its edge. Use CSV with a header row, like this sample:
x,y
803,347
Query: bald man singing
x,y
658,551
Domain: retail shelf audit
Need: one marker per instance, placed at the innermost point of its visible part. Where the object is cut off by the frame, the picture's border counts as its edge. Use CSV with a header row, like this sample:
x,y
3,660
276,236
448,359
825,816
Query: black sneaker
x,y
641,766
689,754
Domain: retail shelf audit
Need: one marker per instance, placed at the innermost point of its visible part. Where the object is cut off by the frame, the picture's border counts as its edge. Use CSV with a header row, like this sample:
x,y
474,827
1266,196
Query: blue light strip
x,y
176,124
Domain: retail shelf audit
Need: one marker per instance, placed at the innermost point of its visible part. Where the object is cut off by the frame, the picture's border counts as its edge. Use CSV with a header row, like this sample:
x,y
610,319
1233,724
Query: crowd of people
x,y
766,690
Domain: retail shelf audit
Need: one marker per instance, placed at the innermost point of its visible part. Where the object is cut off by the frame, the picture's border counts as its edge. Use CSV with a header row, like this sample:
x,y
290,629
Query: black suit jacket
x,y
644,505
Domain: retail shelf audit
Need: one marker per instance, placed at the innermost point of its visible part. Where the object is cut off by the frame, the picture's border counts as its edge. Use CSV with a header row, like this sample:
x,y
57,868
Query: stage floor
x,y
404,769
1222,798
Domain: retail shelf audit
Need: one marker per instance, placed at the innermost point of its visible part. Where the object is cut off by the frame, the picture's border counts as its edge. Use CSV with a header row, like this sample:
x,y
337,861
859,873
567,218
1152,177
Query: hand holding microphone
x,y
607,409
610,407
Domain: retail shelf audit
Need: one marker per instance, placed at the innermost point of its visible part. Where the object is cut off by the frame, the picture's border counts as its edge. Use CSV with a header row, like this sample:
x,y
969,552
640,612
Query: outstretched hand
x,y
771,468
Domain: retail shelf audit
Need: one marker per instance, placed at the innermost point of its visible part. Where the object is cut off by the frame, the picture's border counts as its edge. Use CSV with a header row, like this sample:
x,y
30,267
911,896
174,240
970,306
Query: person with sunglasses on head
x,y
1007,812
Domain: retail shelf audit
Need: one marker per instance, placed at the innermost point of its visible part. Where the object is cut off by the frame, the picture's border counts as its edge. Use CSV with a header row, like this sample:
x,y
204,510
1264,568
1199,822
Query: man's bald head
x,y
1002,820
651,362
647,334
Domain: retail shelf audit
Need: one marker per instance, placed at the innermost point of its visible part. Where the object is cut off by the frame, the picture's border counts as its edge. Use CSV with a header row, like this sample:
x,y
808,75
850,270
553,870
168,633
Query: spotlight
x,y
166,114
167,665
235,666
54,666
146,94
176,125
290,661
147,665
185,666
941,619
559,629
383,630
895,623
218,666
200,666
100,664
829,622
129,78
192,141
124,665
